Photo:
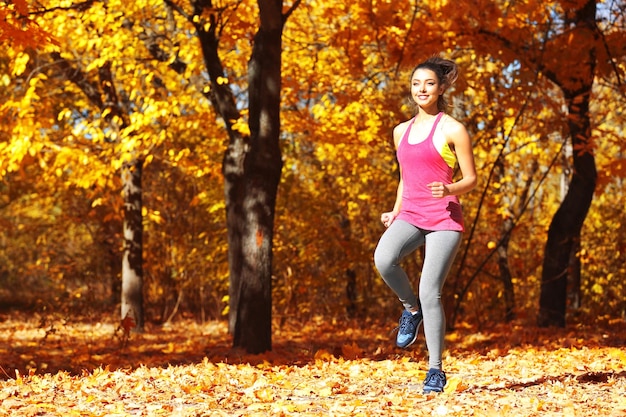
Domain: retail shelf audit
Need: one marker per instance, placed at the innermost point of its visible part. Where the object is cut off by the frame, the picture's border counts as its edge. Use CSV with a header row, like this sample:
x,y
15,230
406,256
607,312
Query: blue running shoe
x,y
407,328
435,381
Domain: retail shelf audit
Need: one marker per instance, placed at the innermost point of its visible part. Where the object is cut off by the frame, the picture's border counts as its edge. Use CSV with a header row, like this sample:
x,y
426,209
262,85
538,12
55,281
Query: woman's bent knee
x,y
384,261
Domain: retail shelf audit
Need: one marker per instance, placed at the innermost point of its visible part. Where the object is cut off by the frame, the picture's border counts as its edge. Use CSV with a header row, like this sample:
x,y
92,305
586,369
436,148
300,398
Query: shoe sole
x,y
437,391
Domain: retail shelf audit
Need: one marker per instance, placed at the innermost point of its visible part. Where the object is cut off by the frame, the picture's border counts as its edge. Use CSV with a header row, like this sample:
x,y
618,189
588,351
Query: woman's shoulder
x,y
449,120
450,125
399,129
402,126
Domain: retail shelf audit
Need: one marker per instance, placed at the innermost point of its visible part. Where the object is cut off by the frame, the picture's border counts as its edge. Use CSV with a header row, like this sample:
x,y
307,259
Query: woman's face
x,y
425,88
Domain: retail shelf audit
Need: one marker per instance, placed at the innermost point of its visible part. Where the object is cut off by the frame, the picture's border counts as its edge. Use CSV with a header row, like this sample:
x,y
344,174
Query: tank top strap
x,y
405,136
434,128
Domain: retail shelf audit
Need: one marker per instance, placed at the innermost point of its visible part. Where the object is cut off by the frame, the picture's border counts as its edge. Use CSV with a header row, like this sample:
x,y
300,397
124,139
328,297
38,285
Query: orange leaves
x,y
512,371
455,384
18,30
127,324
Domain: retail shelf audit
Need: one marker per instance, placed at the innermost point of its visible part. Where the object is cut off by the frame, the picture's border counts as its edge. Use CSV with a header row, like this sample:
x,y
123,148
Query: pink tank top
x,y
422,164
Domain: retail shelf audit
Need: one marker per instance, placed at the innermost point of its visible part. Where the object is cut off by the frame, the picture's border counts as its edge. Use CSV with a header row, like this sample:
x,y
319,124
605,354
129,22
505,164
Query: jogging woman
x,y
427,210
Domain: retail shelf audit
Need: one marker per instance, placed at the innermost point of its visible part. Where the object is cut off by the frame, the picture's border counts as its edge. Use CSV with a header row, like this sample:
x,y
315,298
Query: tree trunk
x,y
351,293
567,222
505,271
564,231
132,259
102,94
251,167
574,291
223,99
262,169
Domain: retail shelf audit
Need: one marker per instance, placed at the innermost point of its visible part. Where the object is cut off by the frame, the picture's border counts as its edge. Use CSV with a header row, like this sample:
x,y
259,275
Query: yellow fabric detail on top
x,y
448,155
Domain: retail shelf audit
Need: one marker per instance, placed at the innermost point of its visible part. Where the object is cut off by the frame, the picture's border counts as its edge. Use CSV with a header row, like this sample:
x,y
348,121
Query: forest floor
x,y
53,367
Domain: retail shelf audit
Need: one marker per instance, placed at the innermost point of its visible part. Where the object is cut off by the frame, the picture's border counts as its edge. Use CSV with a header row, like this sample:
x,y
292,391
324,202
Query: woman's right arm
x,y
388,217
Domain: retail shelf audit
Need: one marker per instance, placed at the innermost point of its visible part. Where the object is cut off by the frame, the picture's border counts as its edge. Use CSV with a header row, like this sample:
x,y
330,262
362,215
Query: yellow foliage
x,y
345,85
19,63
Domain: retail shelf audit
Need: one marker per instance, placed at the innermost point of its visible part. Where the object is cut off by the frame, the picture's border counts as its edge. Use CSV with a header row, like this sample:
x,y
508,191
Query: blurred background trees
x,y
345,72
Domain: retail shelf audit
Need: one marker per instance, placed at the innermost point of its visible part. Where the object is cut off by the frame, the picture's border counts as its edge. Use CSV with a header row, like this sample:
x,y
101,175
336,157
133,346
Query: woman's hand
x,y
438,189
387,218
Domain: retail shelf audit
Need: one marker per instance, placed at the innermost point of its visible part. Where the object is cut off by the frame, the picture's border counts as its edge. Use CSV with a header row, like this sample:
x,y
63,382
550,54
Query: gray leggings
x,y
402,239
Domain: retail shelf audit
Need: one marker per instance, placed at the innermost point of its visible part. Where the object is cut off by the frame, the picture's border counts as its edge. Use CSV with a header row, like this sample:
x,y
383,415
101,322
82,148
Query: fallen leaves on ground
x,y
57,368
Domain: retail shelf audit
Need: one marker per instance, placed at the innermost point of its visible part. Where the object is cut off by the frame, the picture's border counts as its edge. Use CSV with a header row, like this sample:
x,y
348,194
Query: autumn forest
x,y
192,191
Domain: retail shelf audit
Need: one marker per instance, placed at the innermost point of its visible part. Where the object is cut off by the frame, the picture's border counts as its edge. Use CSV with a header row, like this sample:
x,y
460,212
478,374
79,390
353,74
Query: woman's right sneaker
x,y
435,381
408,326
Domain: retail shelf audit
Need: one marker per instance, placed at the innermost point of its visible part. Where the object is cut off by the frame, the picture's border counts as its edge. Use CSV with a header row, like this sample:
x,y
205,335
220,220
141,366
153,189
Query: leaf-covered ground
x,y
50,367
